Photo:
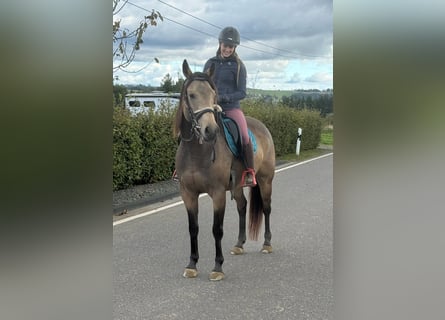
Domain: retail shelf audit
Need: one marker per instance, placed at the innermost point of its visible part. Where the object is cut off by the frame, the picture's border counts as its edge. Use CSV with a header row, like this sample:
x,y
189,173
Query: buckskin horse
x,y
205,164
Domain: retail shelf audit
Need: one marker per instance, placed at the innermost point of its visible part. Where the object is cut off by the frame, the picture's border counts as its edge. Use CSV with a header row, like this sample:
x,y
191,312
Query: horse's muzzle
x,y
210,132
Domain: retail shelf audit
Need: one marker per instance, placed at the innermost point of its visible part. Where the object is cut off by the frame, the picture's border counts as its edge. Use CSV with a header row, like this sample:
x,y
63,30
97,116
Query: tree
x,y
167,84
321,101
123,52
178,85
119,92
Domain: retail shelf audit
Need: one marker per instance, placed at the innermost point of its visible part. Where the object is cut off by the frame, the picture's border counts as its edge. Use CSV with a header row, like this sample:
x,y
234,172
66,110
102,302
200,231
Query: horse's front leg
x,y
241,204
191,204
219,207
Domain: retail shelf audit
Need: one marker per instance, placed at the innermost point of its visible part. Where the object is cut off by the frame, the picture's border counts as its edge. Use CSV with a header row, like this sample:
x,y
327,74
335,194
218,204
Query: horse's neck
x,y
204,153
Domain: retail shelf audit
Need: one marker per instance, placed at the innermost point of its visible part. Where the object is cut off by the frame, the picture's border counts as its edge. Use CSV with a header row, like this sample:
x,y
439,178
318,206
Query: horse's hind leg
x,y
241,204
191,204
266,194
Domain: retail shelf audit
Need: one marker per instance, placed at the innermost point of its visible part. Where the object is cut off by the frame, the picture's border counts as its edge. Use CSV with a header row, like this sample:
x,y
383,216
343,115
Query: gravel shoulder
x,y
142,195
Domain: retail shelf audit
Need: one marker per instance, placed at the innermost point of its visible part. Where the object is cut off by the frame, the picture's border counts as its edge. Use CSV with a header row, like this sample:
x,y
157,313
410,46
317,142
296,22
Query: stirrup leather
x,y
175,176
249,182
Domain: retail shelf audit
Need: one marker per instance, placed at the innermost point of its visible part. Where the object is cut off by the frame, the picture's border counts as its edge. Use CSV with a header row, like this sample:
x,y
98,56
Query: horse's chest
x,y
204,178
204,169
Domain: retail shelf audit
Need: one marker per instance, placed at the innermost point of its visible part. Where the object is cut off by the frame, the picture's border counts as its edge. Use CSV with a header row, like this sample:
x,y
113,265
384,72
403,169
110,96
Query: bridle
x,y
195,130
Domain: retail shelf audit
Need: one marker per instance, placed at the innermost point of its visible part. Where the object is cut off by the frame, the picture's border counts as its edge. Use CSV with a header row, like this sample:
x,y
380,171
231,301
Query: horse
x,y
205,164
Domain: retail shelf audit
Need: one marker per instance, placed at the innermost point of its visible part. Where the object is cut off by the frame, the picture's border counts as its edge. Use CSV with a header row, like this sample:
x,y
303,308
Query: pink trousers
x,y
238,116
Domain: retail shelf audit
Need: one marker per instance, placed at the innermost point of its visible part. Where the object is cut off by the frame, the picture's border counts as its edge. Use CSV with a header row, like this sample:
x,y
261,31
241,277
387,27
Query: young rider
x,y
230,79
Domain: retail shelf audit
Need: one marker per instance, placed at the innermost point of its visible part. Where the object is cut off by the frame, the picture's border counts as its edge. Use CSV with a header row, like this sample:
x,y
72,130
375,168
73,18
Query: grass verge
x,y
327,137
304,155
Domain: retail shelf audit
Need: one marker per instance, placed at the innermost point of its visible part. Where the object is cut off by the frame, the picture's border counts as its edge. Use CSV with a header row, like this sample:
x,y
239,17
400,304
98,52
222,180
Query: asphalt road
x,y
293,282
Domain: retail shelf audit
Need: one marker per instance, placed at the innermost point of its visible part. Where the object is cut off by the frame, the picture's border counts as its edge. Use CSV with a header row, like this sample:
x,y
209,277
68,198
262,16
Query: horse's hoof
x,y
237,251
216,276
190,273
266,249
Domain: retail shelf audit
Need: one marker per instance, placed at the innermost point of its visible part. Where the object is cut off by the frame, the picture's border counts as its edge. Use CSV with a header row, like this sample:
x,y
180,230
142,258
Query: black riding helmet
x,y
229,36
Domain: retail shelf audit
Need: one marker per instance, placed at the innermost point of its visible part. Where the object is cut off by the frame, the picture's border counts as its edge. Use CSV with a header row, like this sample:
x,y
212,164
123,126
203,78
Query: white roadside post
x,y
299,141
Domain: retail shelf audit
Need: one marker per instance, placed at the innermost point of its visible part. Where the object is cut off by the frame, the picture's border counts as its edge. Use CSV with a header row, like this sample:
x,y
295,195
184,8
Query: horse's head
x,y
198,104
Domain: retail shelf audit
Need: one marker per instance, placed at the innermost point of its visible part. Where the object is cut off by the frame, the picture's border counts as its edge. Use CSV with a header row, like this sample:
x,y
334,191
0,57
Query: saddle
x,y
234,138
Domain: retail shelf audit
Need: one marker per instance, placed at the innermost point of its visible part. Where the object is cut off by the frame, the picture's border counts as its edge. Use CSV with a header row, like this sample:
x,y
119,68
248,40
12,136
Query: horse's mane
x,y
201,76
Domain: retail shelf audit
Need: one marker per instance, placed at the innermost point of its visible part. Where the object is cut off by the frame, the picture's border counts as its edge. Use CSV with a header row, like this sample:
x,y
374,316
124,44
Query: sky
x,y
285,45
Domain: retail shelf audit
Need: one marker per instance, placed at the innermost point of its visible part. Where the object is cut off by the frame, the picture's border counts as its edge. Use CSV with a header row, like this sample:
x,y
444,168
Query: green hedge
x,y
127,149
144,147
283,123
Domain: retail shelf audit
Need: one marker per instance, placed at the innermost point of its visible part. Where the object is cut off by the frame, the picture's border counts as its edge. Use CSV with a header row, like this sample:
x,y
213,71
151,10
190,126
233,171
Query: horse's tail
x,y
255,212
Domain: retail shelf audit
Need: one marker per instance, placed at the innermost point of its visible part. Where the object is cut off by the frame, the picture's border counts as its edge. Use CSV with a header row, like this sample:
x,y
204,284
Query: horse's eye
x,y
192,96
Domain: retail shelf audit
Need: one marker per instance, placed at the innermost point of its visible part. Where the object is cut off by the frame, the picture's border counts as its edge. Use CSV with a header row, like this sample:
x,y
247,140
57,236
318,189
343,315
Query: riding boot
x,y
248,178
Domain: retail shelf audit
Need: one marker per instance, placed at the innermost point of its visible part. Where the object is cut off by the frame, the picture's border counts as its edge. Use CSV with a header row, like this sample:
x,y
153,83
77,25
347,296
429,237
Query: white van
x,y
143,102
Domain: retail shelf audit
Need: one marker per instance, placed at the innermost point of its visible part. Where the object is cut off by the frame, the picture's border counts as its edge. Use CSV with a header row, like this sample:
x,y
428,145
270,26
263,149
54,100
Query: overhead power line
x,y
244,37
190,15
290,54
171,20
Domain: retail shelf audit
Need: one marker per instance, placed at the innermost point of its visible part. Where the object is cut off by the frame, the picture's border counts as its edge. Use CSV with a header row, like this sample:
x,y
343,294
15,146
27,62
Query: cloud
x,y
273,35
295,78
319,77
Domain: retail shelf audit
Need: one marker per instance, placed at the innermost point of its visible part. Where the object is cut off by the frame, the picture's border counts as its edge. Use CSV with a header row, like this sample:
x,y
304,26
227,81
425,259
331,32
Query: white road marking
x,y
147,213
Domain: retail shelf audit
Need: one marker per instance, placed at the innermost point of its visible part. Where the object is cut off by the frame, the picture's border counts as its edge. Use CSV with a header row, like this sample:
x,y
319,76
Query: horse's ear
x,y
186,69
211,70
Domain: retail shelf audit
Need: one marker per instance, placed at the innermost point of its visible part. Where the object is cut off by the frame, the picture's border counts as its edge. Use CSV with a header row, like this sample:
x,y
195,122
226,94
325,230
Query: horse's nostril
x,y
210,133
211,130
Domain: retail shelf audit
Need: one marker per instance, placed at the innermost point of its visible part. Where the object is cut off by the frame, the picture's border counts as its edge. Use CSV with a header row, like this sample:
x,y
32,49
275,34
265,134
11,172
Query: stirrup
x,y
249,173
175,176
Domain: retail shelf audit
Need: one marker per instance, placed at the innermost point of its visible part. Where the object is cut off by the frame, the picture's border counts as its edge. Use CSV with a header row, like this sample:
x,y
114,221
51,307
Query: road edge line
x,y
171,205
303,162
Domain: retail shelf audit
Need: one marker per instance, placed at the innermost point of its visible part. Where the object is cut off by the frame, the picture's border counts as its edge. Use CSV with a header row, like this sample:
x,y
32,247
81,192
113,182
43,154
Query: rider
x,y
230,80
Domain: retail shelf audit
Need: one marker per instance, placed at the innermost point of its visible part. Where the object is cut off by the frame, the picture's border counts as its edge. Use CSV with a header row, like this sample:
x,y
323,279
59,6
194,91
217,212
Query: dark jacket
x,y
230,89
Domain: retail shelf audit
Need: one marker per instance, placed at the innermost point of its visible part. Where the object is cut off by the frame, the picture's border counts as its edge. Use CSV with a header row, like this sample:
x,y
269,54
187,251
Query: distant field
x,y
283,93
273,93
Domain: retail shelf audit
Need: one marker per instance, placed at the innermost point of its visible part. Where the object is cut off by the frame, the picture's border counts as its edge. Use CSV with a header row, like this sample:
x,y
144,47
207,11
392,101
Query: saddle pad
x,y
232,135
